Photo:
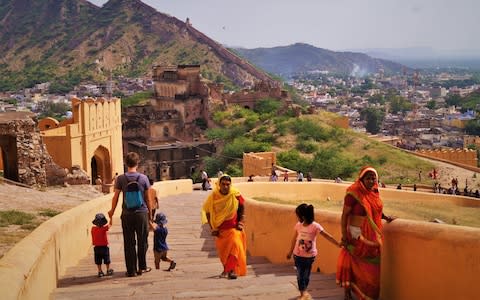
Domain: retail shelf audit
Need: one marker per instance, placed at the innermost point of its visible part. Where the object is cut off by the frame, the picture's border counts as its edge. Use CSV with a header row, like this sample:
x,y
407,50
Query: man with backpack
x,y
135,215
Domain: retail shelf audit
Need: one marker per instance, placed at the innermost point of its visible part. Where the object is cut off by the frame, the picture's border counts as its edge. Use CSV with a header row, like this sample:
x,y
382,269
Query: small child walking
x,y
100,243
304,245
160,247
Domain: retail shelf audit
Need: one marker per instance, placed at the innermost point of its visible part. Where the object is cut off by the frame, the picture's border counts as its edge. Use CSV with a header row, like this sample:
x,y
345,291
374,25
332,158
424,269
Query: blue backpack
x,y
133,194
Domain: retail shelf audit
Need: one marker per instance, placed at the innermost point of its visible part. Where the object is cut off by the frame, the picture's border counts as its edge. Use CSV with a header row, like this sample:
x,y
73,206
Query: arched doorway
x,y
8,146
100,164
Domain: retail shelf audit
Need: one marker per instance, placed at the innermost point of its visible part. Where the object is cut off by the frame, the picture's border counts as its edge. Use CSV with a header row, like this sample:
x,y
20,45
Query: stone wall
x,y
258,164
466,157
27,159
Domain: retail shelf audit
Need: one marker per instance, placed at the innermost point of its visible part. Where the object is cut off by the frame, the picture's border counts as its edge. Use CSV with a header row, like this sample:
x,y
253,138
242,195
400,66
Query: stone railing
x,y
30,269
420,260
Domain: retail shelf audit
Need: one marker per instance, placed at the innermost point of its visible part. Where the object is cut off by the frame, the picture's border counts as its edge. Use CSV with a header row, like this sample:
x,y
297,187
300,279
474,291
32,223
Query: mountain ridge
x,y
68,41
301,58
123,37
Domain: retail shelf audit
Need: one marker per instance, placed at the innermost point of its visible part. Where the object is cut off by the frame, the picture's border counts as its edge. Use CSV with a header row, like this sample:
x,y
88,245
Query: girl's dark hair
x,y
305,213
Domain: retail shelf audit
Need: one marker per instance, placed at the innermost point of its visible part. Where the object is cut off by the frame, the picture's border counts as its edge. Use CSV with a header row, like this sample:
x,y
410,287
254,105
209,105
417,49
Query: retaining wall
x,y
30,269
420,260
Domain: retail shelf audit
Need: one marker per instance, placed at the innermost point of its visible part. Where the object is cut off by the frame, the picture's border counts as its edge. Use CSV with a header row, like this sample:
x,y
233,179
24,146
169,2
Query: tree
x,y
399,104
453,100
377,98
431,104
374,118
473,127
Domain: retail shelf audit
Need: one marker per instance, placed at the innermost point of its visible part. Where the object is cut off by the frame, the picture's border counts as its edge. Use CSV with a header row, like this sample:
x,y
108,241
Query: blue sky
x,y
332,24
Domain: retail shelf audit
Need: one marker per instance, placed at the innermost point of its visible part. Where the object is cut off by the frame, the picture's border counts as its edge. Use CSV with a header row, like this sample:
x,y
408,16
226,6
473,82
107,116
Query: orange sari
x,y
358,264
231,243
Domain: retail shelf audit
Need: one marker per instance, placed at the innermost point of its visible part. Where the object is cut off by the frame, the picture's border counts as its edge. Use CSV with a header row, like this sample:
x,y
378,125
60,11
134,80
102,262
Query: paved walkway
x,y
196,274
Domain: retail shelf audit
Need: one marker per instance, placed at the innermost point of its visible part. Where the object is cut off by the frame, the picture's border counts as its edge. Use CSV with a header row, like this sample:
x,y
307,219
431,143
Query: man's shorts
x,y
101,253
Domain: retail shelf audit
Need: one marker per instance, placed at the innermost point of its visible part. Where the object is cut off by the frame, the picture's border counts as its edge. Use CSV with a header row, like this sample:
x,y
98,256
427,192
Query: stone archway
x,y
101,165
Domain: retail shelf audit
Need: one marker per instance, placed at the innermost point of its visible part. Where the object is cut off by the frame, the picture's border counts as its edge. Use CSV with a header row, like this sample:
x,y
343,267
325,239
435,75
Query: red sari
x,y
358,264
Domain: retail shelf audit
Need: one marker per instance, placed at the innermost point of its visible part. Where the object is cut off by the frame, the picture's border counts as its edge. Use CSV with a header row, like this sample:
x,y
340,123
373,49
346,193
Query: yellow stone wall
x,y
30,270
258,164
466,157
95,132
420,260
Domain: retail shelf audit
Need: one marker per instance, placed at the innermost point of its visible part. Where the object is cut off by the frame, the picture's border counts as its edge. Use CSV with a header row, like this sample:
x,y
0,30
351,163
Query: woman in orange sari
x,y
358,266
224,211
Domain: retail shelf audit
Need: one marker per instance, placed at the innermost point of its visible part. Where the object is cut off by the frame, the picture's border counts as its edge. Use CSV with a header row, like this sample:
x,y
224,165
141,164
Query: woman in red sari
x,y
358,266
224,211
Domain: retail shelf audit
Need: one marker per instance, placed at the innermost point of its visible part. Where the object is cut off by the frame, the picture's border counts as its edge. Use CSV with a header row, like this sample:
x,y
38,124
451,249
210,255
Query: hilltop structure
x,y
169,131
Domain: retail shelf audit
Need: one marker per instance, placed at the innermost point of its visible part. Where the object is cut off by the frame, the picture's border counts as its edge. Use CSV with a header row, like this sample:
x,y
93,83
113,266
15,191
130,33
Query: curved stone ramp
x,y
196,274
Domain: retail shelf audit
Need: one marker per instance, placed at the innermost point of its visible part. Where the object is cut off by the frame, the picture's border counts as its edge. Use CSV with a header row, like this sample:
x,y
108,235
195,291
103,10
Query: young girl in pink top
x,y
304,245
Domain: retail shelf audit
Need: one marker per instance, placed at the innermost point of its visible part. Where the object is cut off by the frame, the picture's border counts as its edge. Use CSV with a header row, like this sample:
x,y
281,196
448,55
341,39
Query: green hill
x,y
68,41
307,143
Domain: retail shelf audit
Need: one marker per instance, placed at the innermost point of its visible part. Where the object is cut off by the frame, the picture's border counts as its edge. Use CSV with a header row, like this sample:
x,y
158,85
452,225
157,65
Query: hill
x,y
66,41
311,142
287,61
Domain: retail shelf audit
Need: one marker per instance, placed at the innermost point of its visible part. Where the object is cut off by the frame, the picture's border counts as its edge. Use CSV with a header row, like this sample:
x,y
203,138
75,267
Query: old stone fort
x,y
167,132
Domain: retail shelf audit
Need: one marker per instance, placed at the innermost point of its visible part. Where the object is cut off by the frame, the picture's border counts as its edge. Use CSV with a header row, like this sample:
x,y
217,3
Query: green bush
x,y
14,217
47,212
136,98
239,145
306,146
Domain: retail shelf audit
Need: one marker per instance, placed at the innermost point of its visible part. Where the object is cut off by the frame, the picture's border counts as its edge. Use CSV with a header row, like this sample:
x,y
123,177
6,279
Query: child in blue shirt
x,y
160,247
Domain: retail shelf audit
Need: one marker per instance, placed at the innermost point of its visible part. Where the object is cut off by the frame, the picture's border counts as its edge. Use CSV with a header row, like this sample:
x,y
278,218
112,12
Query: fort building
x,y
169,131
91,139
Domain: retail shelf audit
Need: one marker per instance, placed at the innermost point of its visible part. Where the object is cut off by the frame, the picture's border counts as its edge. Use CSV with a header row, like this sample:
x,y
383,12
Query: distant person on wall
x,y
274,177
309,176
223,210
204,180
153,199
358,265
285,176
135,215
160,247
99,183
299,176
304,245
100,244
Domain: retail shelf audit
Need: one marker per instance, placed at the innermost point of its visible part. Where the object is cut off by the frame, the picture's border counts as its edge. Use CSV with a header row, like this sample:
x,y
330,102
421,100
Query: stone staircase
x,y
196,274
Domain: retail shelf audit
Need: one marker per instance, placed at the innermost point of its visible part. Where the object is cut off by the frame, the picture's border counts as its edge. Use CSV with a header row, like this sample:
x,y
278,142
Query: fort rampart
x,y
420,260
30,269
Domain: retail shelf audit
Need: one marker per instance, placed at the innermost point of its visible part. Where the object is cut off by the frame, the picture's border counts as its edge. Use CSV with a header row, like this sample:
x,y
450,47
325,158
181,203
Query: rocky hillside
x,y
59,40
287,61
